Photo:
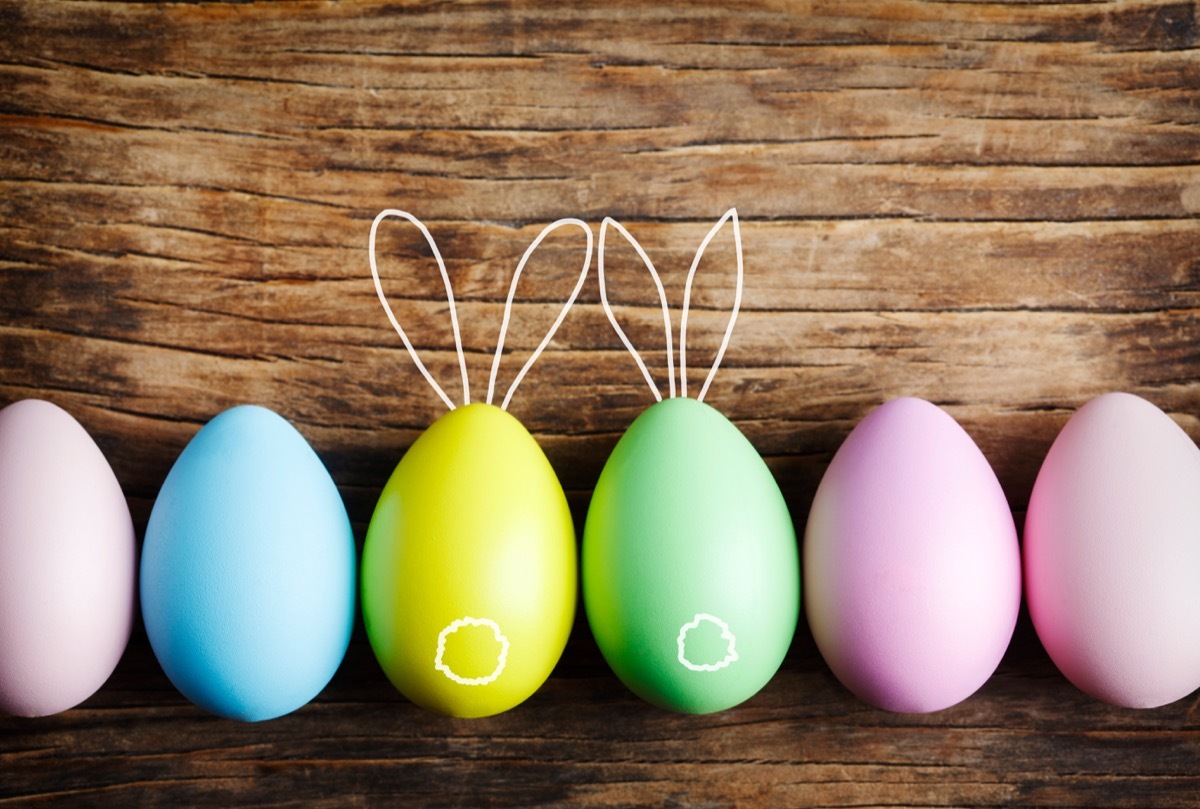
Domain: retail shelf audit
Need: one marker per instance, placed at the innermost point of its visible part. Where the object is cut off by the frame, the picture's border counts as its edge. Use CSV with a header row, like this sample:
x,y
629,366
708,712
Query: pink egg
x,y
67,562
1112,553
912,571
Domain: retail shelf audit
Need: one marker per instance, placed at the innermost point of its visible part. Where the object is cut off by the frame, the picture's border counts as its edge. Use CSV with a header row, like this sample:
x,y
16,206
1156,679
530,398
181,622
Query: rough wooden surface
x,y
990,205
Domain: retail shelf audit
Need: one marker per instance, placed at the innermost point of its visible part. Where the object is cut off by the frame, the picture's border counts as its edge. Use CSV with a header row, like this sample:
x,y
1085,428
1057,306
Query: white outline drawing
x,y
730,657
458,624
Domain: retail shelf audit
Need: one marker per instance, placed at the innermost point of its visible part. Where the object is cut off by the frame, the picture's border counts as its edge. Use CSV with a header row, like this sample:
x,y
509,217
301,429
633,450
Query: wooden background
x,y
989,205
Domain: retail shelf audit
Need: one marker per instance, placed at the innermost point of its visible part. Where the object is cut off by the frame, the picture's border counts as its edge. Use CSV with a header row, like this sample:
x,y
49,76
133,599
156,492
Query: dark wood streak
x,y
990,205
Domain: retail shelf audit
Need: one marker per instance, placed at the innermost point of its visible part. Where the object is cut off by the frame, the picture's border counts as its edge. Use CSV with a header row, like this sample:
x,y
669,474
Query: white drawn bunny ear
x,y
729,216
462,362
662,298
512,291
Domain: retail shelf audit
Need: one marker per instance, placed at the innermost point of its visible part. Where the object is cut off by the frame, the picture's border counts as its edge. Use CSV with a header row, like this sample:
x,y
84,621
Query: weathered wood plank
x,y
772,181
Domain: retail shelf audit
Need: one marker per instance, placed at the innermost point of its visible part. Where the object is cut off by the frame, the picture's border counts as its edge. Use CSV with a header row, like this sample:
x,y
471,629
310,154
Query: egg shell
x,y
248,569
690,572
1112,553
912,569
469,566
68,562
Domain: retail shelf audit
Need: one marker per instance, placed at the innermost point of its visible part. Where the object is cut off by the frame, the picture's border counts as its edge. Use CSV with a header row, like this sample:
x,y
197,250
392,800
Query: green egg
x,y
691,577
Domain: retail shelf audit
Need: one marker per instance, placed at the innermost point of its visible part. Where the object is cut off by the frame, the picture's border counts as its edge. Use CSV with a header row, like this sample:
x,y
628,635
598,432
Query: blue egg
x,y
248,569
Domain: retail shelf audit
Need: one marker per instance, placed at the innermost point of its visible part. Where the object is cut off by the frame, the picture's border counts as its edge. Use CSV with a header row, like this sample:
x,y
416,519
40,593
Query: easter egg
x,y
912,570
1112,553
690,576
68,562
469,566
248,569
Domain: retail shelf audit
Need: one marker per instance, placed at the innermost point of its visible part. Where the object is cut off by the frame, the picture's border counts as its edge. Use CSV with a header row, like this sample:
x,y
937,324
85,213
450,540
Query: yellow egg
x,y
469,566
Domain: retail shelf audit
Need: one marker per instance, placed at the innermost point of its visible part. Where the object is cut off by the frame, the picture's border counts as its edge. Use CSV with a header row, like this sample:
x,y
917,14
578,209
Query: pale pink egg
x,y
912,571
67,562
1112,553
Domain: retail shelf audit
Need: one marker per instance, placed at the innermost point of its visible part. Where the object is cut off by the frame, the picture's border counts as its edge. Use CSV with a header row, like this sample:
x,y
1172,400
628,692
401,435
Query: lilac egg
x,y
912,571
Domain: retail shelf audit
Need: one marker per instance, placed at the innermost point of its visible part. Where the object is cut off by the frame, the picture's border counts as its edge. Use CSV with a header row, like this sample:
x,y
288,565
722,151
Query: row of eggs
x,y
691,578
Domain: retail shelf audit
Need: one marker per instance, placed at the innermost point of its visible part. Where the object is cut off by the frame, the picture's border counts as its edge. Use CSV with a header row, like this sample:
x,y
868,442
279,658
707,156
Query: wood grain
x,y
992,205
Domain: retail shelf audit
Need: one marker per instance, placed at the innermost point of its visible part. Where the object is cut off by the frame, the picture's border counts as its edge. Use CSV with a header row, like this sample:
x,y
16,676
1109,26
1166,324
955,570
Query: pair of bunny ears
x,y
729,216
